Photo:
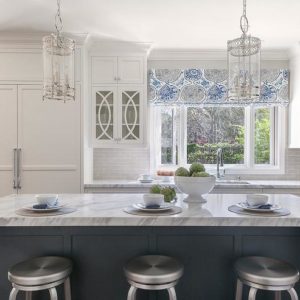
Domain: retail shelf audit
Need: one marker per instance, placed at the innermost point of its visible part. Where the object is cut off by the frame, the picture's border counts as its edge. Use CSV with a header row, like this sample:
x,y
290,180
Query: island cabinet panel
x,y
99,265
207,264
16,248
100,253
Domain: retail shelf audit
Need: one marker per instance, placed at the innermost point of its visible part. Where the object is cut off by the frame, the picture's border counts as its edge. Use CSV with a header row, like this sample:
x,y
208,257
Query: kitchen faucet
x,y
219,161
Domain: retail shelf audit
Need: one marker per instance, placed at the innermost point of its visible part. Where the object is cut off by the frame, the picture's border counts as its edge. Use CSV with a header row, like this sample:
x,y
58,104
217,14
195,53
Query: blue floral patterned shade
x,y
208,87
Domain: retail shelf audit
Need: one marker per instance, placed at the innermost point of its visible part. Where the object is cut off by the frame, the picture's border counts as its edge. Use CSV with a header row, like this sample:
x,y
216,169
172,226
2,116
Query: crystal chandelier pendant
x,y
243,58
59,62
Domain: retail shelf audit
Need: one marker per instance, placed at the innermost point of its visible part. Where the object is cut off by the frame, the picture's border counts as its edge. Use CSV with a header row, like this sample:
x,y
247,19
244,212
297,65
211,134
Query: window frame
x,y
278,119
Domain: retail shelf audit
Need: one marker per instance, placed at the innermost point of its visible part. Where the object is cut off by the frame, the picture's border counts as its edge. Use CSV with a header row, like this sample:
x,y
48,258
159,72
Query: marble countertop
x,y
252,184
107,210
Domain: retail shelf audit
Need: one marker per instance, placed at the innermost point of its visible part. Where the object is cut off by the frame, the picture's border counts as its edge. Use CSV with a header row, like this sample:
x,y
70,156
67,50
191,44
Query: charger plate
x,y
134,211
276,213
62,211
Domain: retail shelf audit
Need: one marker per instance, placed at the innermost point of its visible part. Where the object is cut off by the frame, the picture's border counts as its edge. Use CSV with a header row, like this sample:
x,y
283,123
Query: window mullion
x,y
249,137
273,112
182,137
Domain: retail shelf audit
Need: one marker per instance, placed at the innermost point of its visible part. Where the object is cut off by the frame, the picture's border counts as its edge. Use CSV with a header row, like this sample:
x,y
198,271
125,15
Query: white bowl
x,y
49,199
257,199
153,199
195,187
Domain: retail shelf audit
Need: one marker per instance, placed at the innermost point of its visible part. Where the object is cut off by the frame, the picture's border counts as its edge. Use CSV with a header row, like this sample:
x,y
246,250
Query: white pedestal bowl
x,y
195,187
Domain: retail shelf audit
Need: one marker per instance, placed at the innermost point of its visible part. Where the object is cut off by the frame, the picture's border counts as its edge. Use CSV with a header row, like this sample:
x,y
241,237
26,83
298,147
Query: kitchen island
x,y
100,238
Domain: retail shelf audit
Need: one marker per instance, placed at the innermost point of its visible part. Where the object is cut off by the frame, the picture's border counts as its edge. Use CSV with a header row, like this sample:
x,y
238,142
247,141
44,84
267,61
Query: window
x,y
252,139
211,128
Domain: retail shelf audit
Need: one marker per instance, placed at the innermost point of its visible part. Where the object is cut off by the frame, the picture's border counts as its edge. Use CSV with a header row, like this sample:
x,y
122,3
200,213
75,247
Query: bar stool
x,y
265,273
153,272
41,273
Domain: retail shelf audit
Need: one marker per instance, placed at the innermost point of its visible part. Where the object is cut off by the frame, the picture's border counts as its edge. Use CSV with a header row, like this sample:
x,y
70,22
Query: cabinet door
x,y
8,134
130,114
49,136
104,115
104,70
130,69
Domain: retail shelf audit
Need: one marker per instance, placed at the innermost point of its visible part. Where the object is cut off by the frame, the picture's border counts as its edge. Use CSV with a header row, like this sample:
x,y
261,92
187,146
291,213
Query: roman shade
x,y
208,87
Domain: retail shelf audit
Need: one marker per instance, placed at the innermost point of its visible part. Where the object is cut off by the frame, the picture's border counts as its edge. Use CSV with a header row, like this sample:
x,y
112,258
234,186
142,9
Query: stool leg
x,y
28,295
239,290
252,293
172,293
293,294
67,289
53,293
278,295
13,294
131,293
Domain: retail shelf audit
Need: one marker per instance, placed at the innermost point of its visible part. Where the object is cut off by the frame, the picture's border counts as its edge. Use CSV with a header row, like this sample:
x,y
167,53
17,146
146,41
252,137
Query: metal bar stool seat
x,y
41,273
153,272
266,274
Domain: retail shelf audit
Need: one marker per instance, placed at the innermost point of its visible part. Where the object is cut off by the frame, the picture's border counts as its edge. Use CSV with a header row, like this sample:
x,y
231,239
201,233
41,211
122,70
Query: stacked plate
x,y
153,208
44,204
259,208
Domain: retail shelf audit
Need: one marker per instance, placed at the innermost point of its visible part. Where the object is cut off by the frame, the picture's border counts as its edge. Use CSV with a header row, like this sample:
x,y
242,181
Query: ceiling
x,y
172,24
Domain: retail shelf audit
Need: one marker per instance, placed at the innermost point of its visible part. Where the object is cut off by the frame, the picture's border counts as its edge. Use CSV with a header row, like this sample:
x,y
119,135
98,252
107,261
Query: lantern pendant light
x,y
59,61
243,58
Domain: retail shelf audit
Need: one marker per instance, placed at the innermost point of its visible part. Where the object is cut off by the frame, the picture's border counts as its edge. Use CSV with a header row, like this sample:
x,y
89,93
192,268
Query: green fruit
x,y
182,172
155,189
196,168
200,174
169,193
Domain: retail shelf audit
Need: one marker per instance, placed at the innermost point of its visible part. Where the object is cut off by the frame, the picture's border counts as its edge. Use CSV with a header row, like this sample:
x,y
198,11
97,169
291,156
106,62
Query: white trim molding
x,y
211,54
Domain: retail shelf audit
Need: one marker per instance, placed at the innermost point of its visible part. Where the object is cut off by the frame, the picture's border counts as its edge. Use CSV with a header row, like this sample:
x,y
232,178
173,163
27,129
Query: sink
x,y
231,181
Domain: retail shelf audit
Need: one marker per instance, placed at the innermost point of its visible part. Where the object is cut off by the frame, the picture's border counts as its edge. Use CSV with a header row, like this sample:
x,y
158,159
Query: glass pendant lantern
x,y
243,58
59,61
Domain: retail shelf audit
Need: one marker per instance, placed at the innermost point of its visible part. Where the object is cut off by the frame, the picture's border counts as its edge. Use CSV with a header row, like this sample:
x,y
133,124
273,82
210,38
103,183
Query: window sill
x,y
235,170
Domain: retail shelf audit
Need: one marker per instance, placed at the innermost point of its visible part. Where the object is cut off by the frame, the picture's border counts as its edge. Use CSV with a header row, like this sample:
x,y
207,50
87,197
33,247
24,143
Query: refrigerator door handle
x,y
15,178
19,151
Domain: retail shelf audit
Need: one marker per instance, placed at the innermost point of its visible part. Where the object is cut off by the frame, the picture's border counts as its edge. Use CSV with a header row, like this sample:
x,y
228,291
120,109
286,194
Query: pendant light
x,y
243,58
59,61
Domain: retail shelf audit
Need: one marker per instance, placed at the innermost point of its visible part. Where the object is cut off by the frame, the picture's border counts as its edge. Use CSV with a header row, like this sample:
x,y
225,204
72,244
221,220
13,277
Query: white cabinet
x,y
8,134
117,115
130,69
113,69
47,136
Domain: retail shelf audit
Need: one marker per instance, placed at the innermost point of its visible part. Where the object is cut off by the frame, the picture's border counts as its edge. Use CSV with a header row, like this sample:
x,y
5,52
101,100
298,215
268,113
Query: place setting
x,y
259,205
45,205
145,178
156,204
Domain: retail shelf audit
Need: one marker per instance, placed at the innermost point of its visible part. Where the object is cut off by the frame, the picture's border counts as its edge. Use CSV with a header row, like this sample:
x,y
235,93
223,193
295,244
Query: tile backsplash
x,y
120,163
130,163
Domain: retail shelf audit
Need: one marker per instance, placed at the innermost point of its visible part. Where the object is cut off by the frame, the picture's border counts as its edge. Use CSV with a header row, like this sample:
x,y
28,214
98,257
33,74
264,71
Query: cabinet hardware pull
x,y
19,152
15,179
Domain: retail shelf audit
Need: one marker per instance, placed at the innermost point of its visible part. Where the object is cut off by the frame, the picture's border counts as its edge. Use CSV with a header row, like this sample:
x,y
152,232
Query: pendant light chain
x,y
244,24
58,20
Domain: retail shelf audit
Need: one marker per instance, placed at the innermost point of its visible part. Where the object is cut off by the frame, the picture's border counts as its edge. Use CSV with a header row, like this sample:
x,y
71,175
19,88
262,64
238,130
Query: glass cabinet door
x,y
131,129
104,114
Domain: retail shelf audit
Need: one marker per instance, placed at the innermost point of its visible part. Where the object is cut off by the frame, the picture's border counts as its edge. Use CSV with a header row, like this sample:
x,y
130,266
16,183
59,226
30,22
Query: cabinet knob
x,y
115,78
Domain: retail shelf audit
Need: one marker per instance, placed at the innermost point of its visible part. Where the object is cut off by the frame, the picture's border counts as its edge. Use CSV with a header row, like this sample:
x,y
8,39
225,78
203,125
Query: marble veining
x,y
107,210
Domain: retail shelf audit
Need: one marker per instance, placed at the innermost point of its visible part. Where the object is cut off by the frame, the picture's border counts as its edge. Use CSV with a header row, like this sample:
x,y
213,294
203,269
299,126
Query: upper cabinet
x,y
118,89
113,69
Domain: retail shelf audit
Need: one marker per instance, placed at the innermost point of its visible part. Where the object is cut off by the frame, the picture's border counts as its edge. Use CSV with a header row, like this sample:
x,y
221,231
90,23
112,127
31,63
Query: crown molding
x,y
211,54
98,45
34,40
